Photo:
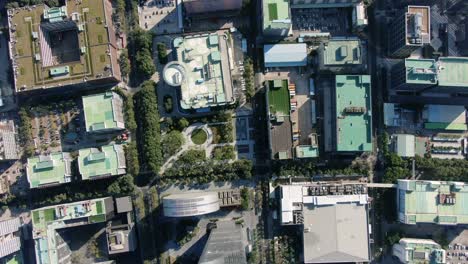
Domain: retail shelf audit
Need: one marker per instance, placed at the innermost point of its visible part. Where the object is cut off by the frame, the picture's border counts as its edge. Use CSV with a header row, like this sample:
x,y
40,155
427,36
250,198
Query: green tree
x,y
168,104
172,142
130,121
162,53
392,238
183,123
224,153
249,77
245,199
145,65
25,132
120,6
123,186
124,64
131,156
392,174
149,131
142,40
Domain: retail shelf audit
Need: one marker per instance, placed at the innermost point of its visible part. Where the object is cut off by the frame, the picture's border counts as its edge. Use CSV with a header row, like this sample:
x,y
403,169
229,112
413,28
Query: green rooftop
x,y
207,75
94,163
103,112
307,151
46,220
75,27
353,113
421,71
343,52
276,14
49,170
432,202
278,97
453,71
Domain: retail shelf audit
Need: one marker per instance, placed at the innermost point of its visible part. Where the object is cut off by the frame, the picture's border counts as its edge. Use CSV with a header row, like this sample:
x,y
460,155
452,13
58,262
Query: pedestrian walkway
x,y
208,145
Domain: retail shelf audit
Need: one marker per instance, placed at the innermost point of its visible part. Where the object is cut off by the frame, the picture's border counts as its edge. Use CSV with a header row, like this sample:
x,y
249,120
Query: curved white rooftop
x,y
190,204
174,73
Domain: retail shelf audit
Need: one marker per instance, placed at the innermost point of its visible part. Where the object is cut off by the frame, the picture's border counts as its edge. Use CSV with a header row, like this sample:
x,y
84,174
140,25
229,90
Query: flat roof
x,y
432,202
353,113
103,111
46,220
307,151
10,241
276,13
418,25
285,55
49,170
453,71
87,25
205,59
9,150
346,51
405,145
108,161
336,233
421,71
414,250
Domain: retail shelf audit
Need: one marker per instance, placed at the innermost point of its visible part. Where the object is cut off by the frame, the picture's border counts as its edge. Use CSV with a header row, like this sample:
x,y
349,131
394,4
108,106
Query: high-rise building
x,y
72,46
444,80
49,246
409,31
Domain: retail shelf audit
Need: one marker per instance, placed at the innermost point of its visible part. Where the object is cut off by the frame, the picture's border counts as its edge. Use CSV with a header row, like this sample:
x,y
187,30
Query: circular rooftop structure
x,y
174,73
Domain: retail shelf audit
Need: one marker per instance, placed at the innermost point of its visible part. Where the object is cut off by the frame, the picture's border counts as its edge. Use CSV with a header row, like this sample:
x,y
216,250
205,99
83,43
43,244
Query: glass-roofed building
x,y
50,247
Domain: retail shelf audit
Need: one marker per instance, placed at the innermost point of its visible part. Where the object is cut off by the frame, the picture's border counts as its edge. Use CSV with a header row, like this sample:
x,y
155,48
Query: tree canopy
x,y
149,134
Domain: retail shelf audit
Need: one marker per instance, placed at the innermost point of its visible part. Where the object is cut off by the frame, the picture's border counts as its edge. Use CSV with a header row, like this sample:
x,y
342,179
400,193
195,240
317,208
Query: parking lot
x,y
49,122
61,127
333,20
161,16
